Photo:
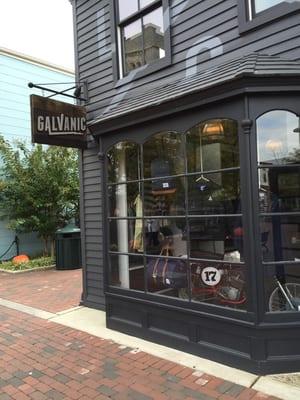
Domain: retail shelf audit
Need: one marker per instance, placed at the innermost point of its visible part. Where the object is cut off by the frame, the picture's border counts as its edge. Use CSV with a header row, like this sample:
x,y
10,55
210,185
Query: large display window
x,y
175,215
278,166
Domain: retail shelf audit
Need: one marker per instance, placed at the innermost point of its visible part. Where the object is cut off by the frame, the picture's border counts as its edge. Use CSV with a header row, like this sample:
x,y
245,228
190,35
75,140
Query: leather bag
x,y
166,272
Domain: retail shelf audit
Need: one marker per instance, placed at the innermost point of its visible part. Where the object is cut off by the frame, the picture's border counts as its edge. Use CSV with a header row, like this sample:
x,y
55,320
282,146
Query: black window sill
x,y
264,17
143,71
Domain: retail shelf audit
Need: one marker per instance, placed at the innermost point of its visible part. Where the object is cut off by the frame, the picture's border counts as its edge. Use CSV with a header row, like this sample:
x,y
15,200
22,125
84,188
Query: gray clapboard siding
x,y
190,21
94,276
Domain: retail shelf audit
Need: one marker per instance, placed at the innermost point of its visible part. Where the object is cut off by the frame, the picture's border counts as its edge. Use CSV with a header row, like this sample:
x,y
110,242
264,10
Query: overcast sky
x,y
39,28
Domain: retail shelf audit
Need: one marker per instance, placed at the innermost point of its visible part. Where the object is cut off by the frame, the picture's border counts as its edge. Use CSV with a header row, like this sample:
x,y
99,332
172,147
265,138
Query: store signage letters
x,y
57,123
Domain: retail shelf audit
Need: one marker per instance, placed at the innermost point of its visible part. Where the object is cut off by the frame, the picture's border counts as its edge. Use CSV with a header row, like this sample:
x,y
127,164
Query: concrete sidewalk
x,y
73,353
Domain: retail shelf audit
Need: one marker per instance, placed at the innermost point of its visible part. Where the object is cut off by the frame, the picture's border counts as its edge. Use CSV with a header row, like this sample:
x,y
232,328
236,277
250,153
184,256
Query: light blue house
x,y
16,70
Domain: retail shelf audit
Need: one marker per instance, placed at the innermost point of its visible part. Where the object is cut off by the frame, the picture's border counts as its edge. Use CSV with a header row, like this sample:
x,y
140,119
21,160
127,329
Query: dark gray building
x,y
190,183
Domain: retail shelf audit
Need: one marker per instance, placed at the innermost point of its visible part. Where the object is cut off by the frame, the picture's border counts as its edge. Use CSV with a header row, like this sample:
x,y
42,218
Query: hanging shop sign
x,y
57,123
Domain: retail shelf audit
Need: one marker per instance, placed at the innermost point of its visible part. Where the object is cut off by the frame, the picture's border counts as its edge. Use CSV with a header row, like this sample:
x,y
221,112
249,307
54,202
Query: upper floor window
x,y
257,6
253,13
142,34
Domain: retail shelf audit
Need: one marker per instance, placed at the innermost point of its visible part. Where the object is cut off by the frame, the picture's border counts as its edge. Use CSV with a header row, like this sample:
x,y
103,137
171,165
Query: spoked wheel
x,y
279,302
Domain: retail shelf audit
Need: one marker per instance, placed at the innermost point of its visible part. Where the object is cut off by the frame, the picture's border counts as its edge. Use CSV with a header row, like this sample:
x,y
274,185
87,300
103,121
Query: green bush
x,y
35,263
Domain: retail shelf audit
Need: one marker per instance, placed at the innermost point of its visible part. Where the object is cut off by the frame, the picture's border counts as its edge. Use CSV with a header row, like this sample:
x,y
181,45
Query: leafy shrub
x,y
35,263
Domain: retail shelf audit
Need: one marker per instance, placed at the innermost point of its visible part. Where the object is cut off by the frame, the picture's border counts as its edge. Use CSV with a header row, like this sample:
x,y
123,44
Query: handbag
x,y
165,272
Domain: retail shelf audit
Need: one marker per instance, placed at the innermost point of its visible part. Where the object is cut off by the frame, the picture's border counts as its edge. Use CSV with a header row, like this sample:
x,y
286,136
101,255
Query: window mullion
x,y
251,9
143,41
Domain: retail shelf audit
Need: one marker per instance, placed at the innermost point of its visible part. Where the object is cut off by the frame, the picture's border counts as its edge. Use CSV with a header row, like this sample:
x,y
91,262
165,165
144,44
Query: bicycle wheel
x,y
278,301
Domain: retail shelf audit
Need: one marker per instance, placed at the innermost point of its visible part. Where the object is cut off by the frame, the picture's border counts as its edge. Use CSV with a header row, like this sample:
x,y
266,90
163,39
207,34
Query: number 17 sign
x,y
211,276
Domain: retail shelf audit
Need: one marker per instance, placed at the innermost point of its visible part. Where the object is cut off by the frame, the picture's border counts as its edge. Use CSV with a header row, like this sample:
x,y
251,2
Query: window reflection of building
x,y
279,185
144,48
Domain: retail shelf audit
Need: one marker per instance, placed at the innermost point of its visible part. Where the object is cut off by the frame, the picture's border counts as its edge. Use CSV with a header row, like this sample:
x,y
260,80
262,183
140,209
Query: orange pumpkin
x,y
22,258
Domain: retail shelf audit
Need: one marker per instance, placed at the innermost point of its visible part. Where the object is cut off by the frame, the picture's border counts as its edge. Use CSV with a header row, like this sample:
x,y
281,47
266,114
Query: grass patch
x,y
31,264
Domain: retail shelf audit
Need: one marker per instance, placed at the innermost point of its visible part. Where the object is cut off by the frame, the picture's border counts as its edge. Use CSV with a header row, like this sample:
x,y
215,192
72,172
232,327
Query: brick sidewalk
x,y
49,290
43,360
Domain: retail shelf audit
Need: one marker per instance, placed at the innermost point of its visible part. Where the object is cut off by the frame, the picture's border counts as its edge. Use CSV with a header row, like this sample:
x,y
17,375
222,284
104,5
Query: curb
x,y
275,388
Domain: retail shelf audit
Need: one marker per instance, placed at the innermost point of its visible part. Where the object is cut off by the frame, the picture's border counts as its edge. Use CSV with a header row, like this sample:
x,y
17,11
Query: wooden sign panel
x,y
57,123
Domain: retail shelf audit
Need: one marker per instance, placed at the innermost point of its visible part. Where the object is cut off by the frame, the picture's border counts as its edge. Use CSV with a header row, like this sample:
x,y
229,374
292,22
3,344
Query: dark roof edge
x,y
237,87
253,66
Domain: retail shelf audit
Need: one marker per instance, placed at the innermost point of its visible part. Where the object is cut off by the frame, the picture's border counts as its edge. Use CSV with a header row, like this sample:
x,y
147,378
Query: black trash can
x,y
68,248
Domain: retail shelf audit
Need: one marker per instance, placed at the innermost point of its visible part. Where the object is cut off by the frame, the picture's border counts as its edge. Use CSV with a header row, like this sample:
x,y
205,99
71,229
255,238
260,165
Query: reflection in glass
x,y
127,8
166,277
217,193
261,5
154,42
278,137
123,162
279,189
127,272
280,238
218,238
213,145
164,197
165,236
125,200
126,235
217,283
282,284
164,155
133,45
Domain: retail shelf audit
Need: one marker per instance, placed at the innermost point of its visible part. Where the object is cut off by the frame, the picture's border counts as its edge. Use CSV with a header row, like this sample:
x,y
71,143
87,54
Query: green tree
x,y
39,188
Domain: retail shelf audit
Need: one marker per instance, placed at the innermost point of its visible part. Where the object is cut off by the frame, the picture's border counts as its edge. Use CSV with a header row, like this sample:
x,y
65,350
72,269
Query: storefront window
x,y
164,156
278,148
282,287
123,162
180,215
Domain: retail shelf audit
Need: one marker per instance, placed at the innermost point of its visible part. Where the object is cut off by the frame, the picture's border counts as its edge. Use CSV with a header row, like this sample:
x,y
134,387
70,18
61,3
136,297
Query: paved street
x,y
40,359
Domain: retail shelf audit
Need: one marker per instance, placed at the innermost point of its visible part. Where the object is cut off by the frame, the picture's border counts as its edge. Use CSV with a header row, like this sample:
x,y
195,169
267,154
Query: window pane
x,y
217,193
144,3
164,197
278,134
213,145
164,155
166,277
126,236
280,238
217,283
127,272
127,8
282,284
133,45
261,5
123,162
166,237
125,200
279,189
218,238
154,42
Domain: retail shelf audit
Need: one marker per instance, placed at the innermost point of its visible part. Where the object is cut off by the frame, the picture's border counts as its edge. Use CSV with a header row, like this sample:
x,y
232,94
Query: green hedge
x,y
35,263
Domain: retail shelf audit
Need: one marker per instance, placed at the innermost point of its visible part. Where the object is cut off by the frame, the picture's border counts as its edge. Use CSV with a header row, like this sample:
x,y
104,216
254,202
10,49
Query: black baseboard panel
x,y
248,347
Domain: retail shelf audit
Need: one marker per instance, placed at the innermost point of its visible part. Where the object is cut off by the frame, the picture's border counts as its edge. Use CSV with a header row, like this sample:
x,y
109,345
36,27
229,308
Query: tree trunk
x,y
52,248
45,242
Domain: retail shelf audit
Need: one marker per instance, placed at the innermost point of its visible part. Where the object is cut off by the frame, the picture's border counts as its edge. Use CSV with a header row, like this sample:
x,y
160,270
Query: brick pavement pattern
x,y
50,290
43,360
